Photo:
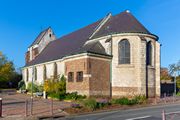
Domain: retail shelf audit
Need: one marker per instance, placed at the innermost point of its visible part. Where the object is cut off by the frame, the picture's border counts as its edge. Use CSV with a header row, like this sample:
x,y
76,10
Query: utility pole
x,y
175,83
32,90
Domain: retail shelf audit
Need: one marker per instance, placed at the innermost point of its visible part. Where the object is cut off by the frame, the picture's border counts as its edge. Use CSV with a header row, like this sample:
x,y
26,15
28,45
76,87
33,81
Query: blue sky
x,y
22,20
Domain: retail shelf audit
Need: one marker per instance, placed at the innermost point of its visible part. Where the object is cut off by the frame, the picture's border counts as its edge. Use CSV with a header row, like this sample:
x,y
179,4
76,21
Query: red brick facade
x,y
96,76
27,57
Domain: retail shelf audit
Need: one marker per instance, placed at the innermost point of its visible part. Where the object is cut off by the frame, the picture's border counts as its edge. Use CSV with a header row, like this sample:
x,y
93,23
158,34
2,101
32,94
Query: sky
x,y
22,20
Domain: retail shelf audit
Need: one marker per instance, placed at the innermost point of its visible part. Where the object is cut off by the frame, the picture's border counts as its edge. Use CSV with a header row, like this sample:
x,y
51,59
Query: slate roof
x,y
124,22
73,43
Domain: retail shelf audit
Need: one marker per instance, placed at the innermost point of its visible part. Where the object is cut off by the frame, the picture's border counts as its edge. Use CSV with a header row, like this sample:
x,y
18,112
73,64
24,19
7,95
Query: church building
x,y
115,56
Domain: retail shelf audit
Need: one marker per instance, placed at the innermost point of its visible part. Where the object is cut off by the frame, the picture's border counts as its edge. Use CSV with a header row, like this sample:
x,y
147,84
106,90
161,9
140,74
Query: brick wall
x,y
75,66
96,76
27,57
100,77
35,52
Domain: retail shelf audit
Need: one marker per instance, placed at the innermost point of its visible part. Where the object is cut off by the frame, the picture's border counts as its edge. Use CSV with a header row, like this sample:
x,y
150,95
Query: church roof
x,y
73,43
124,22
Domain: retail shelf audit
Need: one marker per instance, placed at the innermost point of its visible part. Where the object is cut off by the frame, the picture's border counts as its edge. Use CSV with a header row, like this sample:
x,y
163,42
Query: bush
x,y
55,85
74,96
56,88
21,85
122,101
102,103
36,88
90,104
75,105
126,101
140,99
59,95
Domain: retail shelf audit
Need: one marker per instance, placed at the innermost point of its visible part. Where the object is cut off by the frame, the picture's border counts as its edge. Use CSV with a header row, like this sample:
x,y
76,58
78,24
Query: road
x,y
147,113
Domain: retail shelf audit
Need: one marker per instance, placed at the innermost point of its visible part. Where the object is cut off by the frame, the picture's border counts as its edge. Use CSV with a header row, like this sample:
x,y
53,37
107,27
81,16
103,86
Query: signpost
x,y
0,107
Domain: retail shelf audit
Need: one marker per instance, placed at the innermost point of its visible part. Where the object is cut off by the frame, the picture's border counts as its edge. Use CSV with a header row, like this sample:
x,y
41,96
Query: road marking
x,y
138,118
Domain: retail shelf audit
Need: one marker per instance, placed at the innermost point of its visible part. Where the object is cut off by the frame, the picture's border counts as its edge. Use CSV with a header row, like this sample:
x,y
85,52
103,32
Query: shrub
x,y
21,85
75,105
102,103
90,104
122,101
56,88
74,96
125,101
36,88
32,87
59,95
140,99
55,85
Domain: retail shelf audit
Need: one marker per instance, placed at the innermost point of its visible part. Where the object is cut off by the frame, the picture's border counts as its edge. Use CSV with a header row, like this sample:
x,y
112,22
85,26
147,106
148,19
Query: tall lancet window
x,y
35,73
124,52
149,53
44,72
27,74
55,70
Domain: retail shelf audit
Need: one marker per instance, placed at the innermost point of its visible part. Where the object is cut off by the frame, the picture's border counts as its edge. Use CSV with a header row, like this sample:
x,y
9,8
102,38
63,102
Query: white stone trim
x,y
101,24
87,75
122,34
74,57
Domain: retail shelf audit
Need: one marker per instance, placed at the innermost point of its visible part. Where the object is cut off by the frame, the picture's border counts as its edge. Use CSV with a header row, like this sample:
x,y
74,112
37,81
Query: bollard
x,y
0,107
26,108
163,115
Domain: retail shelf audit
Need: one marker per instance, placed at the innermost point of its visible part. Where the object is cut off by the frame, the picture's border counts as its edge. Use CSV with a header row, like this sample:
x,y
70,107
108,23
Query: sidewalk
x,y
14,107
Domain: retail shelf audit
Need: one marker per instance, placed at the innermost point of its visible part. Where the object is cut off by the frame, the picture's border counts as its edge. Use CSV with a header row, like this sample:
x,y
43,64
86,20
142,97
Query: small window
x,y
49,35
79,76
70,77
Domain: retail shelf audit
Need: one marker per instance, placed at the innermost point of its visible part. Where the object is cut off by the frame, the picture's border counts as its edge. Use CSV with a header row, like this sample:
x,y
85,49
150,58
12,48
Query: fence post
x,y
174,98
0,107
26,108
163,115
165,98
31,105
51,107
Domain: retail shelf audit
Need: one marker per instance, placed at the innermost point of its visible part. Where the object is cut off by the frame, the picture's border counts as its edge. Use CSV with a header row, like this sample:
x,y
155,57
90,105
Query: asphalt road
x,y
147,113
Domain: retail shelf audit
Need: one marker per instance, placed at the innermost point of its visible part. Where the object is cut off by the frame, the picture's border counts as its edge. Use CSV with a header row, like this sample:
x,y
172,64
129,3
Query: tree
x,y
8,75
165,74
174,70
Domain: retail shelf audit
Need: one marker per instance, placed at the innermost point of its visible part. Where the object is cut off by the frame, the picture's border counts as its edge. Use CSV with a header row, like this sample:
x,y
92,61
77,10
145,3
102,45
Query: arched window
x,y
149,53
124,52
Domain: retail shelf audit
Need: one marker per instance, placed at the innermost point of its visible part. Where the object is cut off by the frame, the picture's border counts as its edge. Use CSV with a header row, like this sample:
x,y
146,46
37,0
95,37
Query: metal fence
x,y
171,115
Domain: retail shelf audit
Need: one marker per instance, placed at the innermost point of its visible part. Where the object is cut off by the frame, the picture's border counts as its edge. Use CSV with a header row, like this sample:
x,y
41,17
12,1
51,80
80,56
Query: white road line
x,y
138,118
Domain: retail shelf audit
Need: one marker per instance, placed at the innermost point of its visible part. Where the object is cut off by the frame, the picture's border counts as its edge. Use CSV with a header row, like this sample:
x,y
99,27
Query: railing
x,y
171,115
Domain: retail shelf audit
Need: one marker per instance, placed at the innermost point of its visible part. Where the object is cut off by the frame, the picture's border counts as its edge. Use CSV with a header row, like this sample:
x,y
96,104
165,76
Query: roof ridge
x,y
106,18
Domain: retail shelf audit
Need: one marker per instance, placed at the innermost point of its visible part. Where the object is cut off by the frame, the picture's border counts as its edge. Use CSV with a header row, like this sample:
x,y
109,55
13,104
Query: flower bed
x,y
92,104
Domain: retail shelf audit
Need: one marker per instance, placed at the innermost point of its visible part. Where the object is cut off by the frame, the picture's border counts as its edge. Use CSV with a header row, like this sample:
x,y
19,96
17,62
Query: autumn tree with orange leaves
x,y
8,76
